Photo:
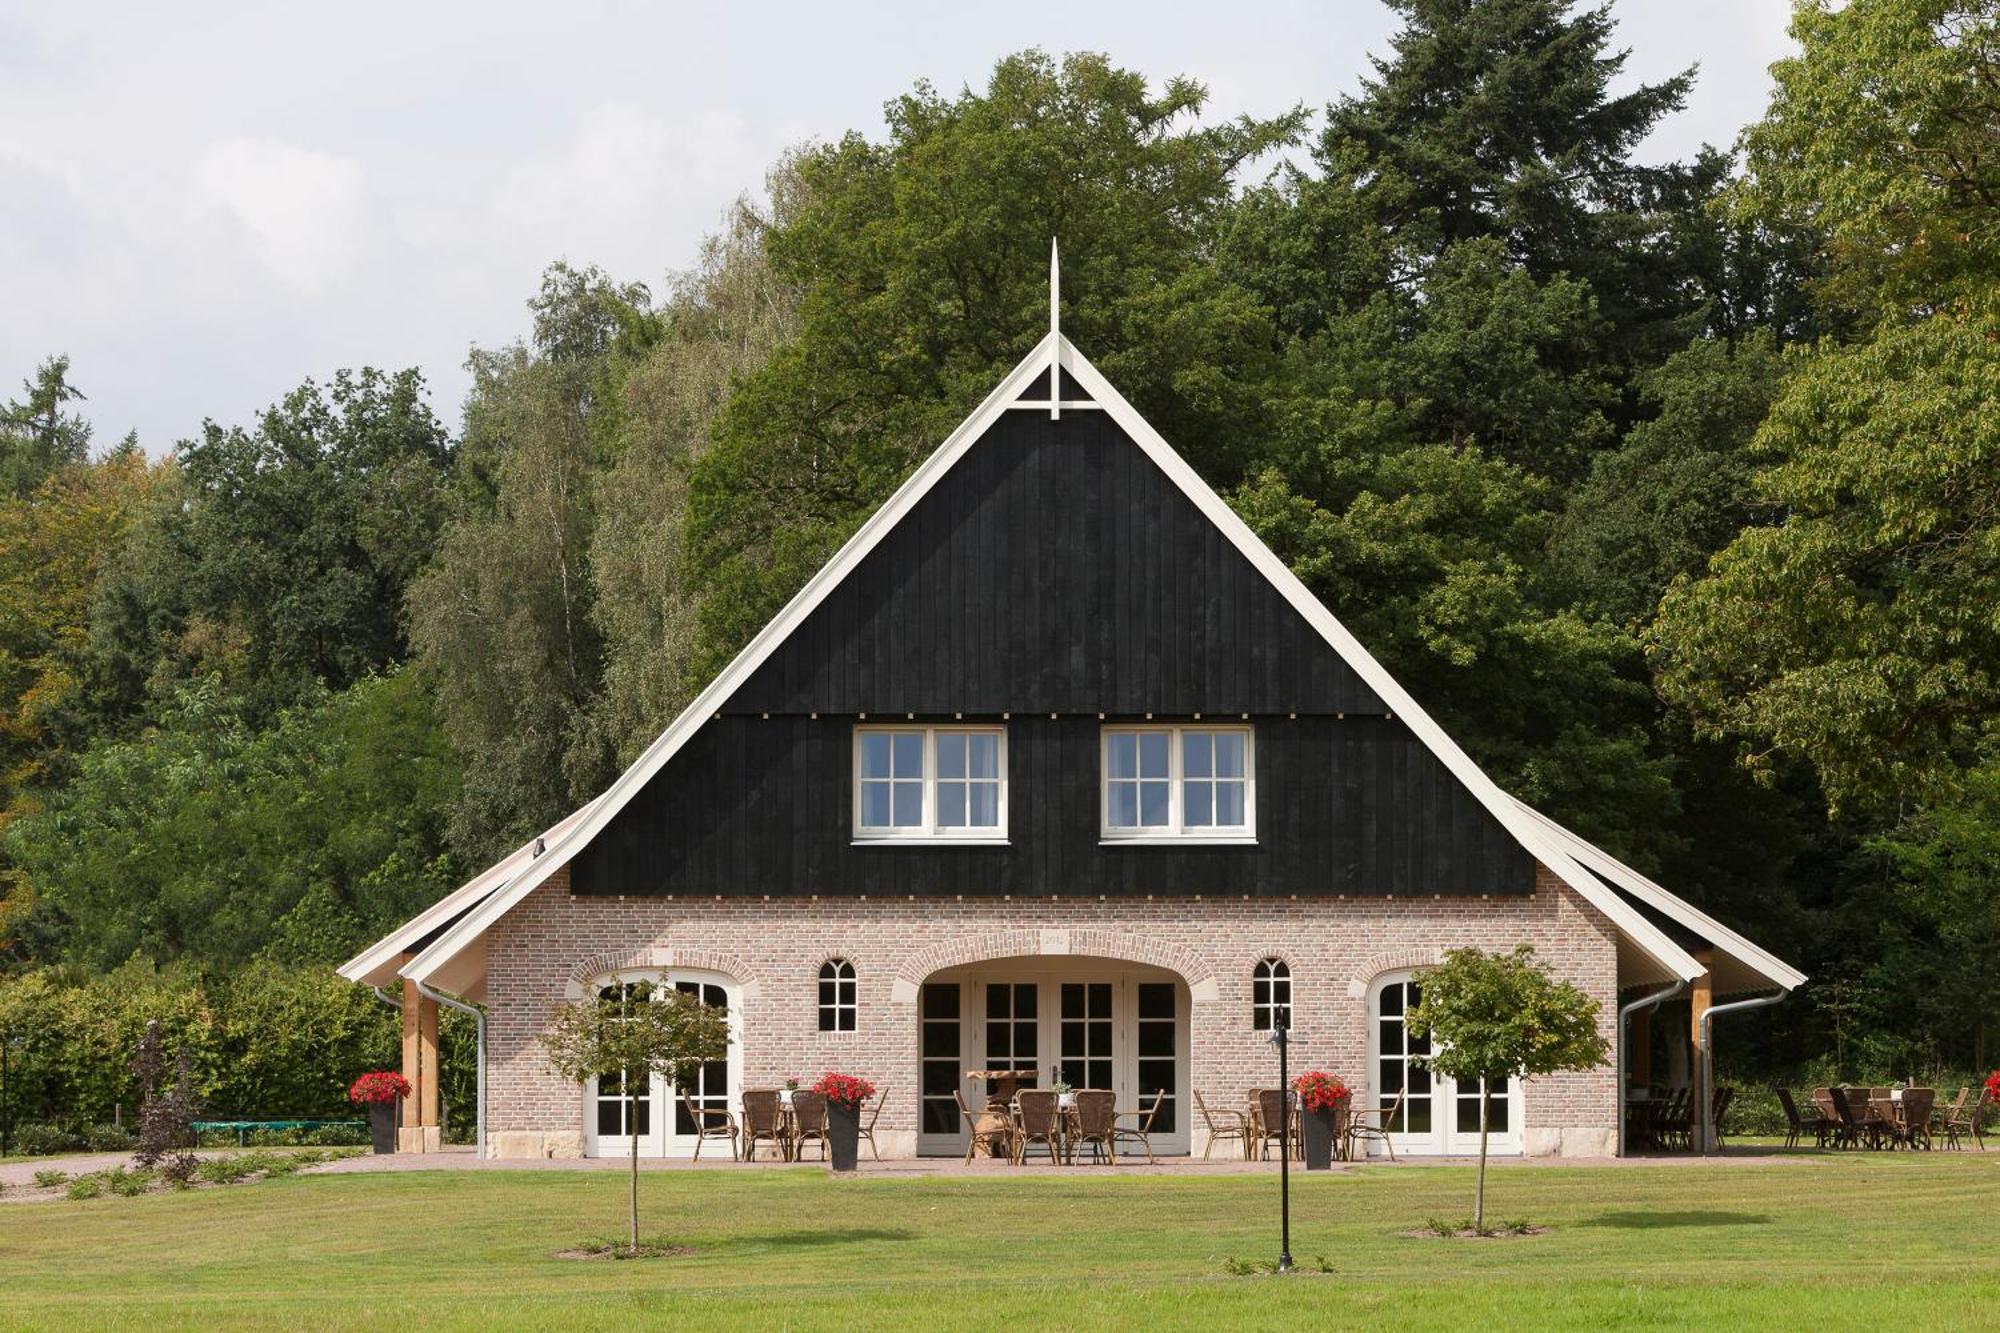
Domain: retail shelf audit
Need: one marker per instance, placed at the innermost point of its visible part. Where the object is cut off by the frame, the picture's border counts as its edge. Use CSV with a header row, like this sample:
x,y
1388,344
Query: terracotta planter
x,y
382,1126
1318,1129
843,1132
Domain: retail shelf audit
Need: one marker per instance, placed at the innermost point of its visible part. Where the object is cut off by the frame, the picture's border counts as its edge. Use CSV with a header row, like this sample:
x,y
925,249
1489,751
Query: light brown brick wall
x,y
540,951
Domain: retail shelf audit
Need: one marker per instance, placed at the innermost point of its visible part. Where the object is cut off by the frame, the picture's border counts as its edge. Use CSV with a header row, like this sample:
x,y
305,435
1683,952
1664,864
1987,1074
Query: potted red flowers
x,y
1322,1109
380,1090
844,1095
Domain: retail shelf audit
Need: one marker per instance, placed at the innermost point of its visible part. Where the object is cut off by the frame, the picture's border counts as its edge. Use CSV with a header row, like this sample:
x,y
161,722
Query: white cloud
x,y
205,203
302,209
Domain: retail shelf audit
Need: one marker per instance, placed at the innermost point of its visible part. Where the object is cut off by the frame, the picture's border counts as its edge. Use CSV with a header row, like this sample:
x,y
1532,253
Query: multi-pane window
x,y
836,996
930,782
1178,781
1271,995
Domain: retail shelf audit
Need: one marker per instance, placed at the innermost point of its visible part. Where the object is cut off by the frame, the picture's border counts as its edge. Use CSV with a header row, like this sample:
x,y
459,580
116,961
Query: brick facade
x,y
553,943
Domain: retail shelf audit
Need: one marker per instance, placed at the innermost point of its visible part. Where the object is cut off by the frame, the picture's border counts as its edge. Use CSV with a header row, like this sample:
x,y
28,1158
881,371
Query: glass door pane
x,y
1158,1043
709,1089
1013,1030
1396,1069
1086,1034
938,1007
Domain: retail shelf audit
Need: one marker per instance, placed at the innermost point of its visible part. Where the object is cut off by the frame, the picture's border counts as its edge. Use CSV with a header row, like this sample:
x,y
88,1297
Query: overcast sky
x,y
203,204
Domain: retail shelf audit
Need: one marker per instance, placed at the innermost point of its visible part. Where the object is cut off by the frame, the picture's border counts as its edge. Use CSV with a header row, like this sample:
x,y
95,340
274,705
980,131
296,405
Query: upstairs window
x,y
836,996
1271,995
920,783
1178,782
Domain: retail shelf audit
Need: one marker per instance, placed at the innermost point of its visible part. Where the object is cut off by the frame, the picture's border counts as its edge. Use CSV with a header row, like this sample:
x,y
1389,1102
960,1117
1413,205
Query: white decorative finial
x,y
1055,333
1055,289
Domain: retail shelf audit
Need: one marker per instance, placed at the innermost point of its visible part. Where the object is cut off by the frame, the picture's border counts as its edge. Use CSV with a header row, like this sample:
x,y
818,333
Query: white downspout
x,y
1708,1060
1624,1037
479,1026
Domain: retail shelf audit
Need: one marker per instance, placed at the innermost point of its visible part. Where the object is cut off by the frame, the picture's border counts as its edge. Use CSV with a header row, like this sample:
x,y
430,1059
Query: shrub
x,y
127,1184
50,1178
45,1140
106,1138
86,1187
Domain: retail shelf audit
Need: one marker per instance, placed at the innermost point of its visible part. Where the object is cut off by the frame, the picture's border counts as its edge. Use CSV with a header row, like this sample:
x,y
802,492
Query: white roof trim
x,y
1781,974
376,965
1052,353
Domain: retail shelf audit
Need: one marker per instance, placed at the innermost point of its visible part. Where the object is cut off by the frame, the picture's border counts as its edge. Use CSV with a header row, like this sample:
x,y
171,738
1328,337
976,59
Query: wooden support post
x,y
1701,996
420,1066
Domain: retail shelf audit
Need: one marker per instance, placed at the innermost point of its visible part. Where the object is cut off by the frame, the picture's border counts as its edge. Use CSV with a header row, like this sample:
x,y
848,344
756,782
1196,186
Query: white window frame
x,y
1176,832
928,833
1264,1014
845,983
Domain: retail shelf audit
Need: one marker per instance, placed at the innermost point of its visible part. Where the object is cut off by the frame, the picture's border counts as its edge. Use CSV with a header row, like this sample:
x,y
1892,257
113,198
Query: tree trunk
x,y
1479,1192
632,1132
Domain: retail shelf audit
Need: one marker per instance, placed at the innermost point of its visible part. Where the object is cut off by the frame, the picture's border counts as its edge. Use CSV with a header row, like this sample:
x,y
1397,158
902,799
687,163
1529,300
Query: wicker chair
x,y
1142,1133
1912,1125
1944,1116
1097,1124
868,1125
808,1124
988,1126
1266,1120
1798,1125
1851,1105
1236,1127
710,1123
1676,1126
1829,1114
1360,1133
1959,1128
763,1123
1718,1111
1038,1119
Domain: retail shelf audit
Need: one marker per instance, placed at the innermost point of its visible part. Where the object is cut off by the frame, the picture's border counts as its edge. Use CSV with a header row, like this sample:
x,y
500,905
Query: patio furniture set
x,y
789,1121
1256,1127
1016,1118
1663,1120
1886,1118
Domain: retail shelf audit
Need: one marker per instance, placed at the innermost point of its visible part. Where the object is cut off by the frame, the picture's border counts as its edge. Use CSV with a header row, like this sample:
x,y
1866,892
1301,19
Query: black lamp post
x,y
1284,1149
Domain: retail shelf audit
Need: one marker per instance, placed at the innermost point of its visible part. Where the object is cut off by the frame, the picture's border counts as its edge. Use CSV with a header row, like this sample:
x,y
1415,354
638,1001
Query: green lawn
x,y
1903,1241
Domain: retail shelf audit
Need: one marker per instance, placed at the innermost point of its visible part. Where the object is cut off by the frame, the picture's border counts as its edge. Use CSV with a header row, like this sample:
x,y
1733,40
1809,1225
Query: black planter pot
x,y
1317,1129
382,1126
843,1131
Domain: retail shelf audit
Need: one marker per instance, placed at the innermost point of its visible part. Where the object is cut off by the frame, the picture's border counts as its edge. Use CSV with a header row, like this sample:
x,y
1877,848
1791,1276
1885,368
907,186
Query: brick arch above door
x,y
1118,946
662,957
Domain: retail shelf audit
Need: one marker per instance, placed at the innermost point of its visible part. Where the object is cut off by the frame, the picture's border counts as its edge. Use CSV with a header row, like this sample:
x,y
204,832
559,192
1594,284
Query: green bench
x,y
242,1128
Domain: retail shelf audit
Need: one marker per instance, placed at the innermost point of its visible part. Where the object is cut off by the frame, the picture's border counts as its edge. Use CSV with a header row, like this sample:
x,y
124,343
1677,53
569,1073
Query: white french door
x,y
1107,1026
1438,1115
619,1109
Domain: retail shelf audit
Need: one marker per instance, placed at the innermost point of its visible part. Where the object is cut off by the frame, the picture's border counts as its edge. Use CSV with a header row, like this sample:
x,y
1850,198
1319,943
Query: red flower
x,y
844,1089
381,1085
1993,1085
1320,1091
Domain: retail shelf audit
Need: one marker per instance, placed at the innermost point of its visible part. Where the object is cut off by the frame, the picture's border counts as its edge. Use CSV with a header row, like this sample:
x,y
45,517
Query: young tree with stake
x,y
643,1030
1496,1016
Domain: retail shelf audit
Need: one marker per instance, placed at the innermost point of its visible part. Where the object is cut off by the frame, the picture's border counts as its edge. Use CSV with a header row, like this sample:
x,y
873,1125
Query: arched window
x,y
836,996
1271,995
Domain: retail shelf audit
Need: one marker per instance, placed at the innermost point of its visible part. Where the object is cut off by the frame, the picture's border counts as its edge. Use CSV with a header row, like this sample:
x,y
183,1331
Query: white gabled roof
x,y
1652,955
1764,966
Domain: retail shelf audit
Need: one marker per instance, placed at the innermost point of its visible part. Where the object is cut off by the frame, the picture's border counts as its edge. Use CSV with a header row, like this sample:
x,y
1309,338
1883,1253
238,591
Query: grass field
x,y
1902,1241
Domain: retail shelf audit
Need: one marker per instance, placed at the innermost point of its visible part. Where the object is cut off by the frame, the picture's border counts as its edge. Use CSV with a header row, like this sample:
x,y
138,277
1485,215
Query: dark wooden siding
x,y
1055,569
756,806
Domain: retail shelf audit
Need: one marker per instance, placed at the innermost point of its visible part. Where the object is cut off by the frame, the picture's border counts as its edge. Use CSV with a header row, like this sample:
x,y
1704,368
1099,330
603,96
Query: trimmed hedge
x,y
266,1043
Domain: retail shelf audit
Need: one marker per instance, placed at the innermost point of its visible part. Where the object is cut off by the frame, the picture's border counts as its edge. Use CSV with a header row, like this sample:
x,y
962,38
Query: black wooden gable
x,y
1055,569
